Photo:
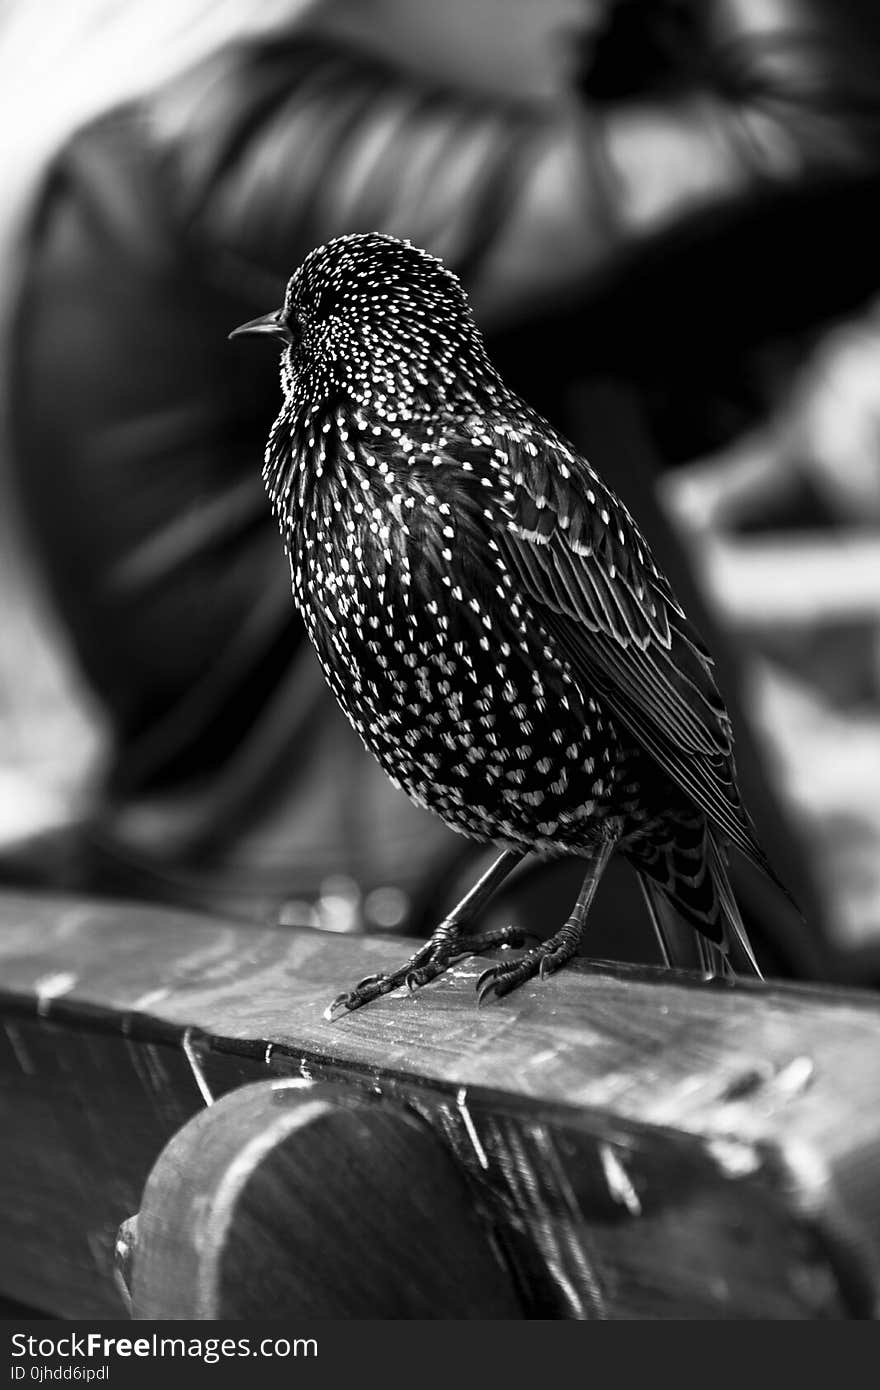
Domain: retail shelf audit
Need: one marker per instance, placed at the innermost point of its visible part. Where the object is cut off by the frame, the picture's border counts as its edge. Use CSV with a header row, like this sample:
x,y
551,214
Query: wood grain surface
x,y
636,1144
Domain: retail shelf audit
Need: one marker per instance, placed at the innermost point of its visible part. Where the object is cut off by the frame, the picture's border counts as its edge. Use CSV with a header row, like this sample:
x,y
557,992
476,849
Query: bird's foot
x,y
431,960
462,950
374,986
541,960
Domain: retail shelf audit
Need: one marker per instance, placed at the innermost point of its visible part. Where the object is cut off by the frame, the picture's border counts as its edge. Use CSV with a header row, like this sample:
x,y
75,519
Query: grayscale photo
x,y
439,674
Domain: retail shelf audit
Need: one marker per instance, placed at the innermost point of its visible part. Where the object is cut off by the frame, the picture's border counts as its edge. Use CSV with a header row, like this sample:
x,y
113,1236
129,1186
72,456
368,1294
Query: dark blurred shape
x,y
642,47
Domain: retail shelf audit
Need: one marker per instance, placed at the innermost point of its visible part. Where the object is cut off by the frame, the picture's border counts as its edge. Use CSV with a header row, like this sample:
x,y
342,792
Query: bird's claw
x,y
500,979
425,974
365,983
343,1004
369,988
488,984
507,976
374,986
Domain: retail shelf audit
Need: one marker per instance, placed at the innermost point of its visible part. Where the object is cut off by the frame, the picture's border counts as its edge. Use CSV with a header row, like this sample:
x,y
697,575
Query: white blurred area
x,y
806,604
61,63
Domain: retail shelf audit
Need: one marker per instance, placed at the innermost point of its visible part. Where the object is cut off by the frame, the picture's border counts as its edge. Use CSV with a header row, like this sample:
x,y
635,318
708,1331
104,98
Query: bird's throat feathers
x,y
366,414
329,456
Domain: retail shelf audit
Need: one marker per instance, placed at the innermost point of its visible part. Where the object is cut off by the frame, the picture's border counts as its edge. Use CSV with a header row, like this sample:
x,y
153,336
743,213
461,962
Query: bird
x,y
490,617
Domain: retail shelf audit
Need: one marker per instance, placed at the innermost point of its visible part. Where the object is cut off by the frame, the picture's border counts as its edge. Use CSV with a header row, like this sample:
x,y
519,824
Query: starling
x,y
489,616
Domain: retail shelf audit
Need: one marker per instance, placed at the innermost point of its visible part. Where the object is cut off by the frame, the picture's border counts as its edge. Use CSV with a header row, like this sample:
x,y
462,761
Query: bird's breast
x,y
441,668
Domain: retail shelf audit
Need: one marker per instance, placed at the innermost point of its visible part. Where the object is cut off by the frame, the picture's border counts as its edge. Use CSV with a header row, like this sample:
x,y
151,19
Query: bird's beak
x,y
272,324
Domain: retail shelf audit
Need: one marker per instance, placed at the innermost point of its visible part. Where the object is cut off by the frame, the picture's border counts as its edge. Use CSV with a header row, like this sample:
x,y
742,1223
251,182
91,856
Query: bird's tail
x,y
694,912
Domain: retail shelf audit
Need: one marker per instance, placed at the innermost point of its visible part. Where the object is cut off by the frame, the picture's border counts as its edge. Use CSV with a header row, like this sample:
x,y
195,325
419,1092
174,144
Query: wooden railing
x,y
612,1143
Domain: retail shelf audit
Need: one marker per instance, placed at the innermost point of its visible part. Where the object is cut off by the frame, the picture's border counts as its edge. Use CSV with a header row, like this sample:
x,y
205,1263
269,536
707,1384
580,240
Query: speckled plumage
x,y
485,610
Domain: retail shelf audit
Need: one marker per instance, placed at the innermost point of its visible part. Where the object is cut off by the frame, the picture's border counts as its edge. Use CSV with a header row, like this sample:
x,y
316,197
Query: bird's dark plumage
x,y
485,609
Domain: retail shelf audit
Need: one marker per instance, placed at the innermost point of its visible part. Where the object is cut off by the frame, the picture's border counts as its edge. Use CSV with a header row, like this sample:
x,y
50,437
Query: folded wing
x,y
590,577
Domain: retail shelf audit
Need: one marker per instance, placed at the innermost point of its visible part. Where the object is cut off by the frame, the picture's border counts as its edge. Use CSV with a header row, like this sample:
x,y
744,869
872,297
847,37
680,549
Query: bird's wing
x,y
588,573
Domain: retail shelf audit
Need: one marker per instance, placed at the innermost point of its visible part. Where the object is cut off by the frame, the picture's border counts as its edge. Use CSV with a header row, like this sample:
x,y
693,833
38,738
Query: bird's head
x,y
376,323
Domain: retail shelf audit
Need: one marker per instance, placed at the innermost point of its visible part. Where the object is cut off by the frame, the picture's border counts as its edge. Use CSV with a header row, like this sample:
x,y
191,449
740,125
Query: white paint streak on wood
x,y
195,1067
467,1120
53,986
619,1181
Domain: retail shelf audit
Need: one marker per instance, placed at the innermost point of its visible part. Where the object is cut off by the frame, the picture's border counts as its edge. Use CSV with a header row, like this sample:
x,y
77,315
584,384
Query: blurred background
x,y
667,218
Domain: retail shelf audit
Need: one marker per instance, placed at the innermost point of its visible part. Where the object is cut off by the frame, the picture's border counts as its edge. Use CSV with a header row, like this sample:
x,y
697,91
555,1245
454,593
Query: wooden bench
x,y
612,1143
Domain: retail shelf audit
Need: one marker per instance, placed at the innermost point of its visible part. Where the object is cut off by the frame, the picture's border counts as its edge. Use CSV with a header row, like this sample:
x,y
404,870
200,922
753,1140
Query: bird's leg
x,y
553,953
444,946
